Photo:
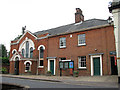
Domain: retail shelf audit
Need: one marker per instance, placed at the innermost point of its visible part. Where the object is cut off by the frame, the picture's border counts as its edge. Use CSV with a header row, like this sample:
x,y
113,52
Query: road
x,y
42,84
39,84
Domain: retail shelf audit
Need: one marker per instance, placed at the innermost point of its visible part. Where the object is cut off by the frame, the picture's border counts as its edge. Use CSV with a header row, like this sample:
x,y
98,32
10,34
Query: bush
x,y
49,73
75,73
4,70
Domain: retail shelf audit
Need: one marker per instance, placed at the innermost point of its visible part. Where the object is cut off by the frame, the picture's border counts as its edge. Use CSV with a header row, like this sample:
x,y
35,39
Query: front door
x,y
96,65
16,66
52,66
113,67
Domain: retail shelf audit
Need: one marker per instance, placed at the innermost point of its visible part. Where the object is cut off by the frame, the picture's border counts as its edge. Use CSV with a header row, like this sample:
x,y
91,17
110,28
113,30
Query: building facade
x,y
84,46
114,8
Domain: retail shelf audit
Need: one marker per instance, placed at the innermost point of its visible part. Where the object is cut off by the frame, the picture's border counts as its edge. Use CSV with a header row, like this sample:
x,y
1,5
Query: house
x,y
84,46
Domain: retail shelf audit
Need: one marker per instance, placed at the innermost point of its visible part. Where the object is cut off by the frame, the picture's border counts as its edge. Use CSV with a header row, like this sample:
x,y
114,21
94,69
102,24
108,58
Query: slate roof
x,y
73,27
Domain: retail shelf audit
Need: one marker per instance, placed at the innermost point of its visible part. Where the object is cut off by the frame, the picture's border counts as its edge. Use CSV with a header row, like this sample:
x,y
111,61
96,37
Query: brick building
x,y
85,46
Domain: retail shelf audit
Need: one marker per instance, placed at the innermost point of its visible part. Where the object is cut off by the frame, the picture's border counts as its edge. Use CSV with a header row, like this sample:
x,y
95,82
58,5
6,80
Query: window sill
x,y
62,47
27,71
81,44
40,66
82,68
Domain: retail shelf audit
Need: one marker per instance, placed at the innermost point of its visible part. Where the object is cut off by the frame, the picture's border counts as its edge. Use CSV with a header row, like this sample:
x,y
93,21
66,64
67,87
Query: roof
x,y
73,27
81,26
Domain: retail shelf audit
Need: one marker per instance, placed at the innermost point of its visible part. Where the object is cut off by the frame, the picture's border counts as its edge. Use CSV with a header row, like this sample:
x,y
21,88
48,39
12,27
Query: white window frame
x,y
79,61
41,58
23,45
14,50
39,63
63,42
29,67
79,40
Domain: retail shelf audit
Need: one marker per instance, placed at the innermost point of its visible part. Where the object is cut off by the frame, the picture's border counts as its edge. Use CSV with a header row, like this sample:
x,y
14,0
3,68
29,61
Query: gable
x,y
26,34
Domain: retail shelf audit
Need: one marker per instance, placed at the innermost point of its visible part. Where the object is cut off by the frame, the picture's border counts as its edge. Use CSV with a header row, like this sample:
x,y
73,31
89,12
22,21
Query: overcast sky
x,y
40,15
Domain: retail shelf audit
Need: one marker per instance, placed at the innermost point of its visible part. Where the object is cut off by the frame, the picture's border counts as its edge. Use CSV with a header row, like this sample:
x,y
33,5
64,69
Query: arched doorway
x,y
16,66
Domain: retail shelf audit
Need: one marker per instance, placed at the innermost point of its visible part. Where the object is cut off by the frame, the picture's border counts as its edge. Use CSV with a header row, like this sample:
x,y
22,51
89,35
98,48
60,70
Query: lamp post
x,y
114,8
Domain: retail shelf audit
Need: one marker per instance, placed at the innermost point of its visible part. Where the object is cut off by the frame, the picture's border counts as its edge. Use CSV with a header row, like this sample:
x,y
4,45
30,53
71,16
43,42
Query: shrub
x,y
4,70
75,73
49,73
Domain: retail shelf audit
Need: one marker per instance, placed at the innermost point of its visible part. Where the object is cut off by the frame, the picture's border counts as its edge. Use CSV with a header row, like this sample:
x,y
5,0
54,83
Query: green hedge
x,y
5,60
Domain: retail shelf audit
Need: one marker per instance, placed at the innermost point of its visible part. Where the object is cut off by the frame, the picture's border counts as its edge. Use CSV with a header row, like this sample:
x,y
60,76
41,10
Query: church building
x,y
86,46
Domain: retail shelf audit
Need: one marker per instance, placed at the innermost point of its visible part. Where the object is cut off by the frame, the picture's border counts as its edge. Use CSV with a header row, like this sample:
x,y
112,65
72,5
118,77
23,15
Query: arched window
x,y
27,49
31,52
16,59
41,52
41,55
27,67
14,51
23,51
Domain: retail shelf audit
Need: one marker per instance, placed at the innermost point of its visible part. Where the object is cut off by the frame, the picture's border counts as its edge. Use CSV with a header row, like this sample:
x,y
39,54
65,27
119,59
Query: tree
x,y
3,54
3,50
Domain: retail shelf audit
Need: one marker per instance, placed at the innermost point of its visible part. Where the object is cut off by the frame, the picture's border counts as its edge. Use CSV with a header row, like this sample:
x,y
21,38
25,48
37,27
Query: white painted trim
x,y
84,44
49,64
65,60
41,46
62,46
23,45
27,61
82,67
24,35
29,40
14,50
92,70
40,66
25,65
39,56
16,56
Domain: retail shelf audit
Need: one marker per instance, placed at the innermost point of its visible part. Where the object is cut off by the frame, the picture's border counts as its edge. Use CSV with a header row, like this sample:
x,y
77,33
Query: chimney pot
x,y
78,15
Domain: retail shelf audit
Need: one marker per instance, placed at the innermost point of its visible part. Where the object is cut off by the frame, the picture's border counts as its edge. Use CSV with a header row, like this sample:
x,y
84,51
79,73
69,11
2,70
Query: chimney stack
x,y
78,15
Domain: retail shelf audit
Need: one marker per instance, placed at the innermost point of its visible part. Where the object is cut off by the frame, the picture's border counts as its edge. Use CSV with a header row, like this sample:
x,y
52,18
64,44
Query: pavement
x,y
100,81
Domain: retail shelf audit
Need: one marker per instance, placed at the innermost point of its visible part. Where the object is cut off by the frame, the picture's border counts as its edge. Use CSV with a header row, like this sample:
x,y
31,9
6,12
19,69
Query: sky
x,y
39,15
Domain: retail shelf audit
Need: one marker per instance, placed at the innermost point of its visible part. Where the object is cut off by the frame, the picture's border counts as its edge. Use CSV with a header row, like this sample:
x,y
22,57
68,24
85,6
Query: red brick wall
x,y
11,67
101,39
